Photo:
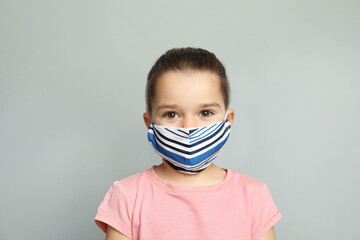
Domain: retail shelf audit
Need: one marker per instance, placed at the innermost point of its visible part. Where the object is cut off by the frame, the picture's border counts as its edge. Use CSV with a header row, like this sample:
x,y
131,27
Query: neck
x,y
211,175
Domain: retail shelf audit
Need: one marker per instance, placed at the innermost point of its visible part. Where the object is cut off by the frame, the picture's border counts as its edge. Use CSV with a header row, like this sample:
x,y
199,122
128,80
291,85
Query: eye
x,y
171,115
206,113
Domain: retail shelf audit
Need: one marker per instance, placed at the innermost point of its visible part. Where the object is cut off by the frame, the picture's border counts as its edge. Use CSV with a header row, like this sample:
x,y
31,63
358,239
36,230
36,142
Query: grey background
x,y
72,82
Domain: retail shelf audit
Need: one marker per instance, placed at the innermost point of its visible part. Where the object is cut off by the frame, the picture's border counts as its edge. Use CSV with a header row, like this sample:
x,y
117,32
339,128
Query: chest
x,y
193,215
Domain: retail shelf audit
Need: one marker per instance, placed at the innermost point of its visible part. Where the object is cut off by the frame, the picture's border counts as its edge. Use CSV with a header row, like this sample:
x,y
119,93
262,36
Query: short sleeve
x,y
264,214
115,210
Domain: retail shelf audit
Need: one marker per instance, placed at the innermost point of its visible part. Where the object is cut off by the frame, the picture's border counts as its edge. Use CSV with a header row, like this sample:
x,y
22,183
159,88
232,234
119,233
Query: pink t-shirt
x,y
143,206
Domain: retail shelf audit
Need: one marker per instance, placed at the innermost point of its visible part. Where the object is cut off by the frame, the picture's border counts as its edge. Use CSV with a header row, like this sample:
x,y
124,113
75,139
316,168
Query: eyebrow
x,y
205,105
213,104
167,106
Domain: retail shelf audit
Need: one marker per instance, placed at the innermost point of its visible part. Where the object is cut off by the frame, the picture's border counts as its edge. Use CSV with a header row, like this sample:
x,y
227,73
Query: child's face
x,y
187,100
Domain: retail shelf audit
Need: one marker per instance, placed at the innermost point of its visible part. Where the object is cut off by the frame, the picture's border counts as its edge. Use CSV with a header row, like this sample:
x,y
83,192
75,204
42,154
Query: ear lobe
x,y
231,116
147,119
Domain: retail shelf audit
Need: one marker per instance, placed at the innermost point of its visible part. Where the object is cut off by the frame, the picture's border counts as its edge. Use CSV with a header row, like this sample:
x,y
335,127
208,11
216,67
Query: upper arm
x,y
113,234
269,235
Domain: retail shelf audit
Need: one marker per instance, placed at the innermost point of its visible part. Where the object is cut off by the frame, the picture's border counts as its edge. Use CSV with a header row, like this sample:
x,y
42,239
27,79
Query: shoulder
x,y
131,184
245,180
117,207
249,186
134,179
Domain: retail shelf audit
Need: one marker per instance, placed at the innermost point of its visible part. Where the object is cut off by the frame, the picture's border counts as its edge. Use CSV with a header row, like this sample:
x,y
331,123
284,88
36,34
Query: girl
x,y
187,196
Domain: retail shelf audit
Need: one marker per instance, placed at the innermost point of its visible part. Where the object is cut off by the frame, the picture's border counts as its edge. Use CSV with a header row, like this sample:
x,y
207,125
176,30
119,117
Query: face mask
x,y
189,150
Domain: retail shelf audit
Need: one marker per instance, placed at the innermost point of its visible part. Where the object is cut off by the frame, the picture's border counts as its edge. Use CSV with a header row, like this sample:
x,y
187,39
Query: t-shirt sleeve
x,y
265,214
115,210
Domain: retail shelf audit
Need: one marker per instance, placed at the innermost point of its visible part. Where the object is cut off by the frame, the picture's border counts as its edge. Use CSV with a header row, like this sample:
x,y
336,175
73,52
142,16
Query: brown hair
x,y
186,59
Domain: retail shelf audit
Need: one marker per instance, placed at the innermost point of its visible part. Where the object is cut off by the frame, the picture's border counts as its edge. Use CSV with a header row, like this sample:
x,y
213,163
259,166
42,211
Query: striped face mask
x,y
189,150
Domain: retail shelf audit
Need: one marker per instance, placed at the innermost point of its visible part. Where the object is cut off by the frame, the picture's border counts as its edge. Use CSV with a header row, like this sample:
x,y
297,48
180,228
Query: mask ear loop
x,y
226,115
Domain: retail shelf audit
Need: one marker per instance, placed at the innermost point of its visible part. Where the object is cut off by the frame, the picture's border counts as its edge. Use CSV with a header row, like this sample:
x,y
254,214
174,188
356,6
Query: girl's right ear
x,y
147,119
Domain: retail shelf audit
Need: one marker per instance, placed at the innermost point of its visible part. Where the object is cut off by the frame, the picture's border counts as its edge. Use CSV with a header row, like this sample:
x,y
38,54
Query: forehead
x,y
188,88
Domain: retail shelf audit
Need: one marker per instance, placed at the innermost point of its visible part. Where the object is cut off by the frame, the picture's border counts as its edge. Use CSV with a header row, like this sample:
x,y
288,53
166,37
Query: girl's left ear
x,y
147,119
231,116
